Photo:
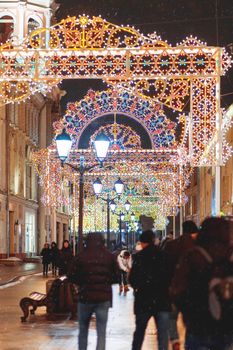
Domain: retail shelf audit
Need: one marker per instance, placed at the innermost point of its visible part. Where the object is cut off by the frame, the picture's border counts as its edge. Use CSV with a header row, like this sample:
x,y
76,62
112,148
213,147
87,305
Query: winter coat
x,y
46,257
55,255
64,260
150,279
124,264
189,291
176,248
94,271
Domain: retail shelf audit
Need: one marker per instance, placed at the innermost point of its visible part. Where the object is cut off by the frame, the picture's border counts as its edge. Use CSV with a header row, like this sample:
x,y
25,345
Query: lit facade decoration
x,y
93,48
121,136
154,184
151,116
156,178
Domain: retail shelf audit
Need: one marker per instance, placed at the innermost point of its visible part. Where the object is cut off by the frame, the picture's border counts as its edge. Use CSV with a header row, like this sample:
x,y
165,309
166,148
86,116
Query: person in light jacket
x,y
125,263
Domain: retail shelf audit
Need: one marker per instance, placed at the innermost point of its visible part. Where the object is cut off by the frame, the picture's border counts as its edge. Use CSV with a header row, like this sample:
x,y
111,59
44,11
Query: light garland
x,y
152,176
96,104
93,48
121,136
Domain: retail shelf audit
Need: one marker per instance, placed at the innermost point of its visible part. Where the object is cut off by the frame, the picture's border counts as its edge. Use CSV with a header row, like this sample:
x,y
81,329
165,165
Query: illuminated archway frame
x,y
80,114
96,49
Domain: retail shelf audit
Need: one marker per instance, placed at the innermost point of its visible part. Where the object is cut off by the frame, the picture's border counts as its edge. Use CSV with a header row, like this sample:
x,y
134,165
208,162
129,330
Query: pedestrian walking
x,y
54,252
164,241
46,259
94,271
65,258
175,249
150,279
202,288
125,263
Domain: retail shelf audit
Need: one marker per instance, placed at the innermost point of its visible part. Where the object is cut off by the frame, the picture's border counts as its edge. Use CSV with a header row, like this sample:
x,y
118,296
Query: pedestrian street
x,y
40,334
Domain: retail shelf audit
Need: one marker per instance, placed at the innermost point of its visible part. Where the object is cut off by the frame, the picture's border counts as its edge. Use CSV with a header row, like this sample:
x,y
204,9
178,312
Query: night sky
x,y
173,20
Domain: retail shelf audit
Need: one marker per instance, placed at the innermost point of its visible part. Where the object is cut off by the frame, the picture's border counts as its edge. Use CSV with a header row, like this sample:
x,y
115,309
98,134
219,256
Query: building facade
x,y
201,192
24,127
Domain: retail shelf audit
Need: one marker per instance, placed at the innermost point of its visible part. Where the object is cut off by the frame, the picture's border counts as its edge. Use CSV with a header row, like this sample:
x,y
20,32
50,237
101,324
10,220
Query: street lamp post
x,y
64,143
132,239
98,187
121,216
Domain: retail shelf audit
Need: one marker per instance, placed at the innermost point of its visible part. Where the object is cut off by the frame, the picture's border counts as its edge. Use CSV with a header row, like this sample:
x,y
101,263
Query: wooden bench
x,y
50,300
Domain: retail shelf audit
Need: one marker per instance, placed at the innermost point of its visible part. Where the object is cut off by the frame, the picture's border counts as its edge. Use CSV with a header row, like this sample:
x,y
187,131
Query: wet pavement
x,y
12,273
38,333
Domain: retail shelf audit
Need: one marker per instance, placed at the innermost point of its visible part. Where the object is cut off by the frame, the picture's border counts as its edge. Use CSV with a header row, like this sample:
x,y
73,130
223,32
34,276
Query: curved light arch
x,y
128,136
151,116
128,116
93,48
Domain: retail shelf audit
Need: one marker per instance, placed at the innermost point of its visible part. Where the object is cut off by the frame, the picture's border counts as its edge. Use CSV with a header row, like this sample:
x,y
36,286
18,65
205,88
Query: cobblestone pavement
x,y
40,334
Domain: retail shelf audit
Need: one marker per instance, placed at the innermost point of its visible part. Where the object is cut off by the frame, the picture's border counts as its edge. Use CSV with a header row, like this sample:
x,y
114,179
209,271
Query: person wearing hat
x,y
94,271
149,277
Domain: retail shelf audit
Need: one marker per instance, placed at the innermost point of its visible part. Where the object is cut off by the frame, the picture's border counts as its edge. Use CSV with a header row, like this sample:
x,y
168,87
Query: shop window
x,y
30,232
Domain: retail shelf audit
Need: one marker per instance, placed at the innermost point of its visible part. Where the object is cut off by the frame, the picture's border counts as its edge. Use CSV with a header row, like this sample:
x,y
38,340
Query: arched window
x,y
6,28
32,24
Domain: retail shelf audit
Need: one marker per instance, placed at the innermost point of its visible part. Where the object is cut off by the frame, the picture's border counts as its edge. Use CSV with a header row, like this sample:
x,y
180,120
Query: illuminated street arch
x,y
151,116
160,169
96,49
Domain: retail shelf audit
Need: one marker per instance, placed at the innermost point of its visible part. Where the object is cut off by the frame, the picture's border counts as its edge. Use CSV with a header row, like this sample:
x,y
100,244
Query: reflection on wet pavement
x,y
40,334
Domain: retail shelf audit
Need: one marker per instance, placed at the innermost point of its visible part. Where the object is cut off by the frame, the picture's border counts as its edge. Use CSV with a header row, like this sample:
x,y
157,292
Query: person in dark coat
x,y
94,271
190,289
65,258
150,279
175,249
169,237
54,257
46,258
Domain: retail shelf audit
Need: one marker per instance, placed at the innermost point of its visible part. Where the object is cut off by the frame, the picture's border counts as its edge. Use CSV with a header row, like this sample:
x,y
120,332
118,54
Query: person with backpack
x,y
94,271
175,249
202,288
150,278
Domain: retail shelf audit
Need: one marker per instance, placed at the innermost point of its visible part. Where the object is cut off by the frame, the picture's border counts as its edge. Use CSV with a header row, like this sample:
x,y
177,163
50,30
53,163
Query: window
x,y
32,25
30,232
6,28
195,176
28,182
194,205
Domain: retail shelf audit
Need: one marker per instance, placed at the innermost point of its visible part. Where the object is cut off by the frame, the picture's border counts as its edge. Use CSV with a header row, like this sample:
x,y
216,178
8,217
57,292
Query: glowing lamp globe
x,y
64,143
101,145
127,206
119,187
97,186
